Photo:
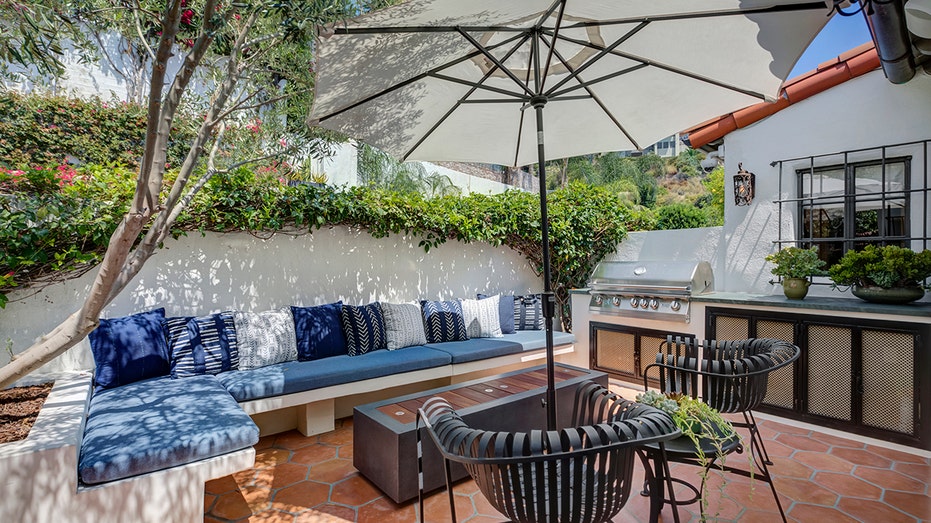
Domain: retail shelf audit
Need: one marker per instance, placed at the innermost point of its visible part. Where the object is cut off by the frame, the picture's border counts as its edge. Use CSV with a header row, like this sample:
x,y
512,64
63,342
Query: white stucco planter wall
x,y
864,112
198,275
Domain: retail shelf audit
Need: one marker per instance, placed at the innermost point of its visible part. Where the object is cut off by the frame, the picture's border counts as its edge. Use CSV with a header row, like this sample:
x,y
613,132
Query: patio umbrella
x,y
452,80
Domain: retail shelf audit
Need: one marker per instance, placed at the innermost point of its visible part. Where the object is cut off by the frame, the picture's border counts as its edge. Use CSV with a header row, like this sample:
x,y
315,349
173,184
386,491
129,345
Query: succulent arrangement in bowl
x,y
889,274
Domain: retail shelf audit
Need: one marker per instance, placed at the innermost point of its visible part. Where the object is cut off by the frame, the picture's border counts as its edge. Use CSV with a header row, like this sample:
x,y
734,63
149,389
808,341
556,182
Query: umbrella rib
x,y
584,85
419,77
520,121
483,50
784,8
602,52
597,80
479,85
666,67
475,86
549,55
549,11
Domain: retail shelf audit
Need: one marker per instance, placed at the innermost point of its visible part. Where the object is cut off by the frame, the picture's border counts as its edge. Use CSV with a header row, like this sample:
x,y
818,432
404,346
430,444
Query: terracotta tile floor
x,y
821,478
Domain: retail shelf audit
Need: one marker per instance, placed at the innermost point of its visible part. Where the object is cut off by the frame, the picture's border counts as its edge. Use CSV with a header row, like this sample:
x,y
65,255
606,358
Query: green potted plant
x,y
889,274
795,265
701,424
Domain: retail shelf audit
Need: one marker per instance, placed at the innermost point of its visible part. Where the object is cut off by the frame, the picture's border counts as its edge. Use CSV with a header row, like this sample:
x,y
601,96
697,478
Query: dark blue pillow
x,y
319,331
208,346
505,312
443,321
129,349
528,312
364,327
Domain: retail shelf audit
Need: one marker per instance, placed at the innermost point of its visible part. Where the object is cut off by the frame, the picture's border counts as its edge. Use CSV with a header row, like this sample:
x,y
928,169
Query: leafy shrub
x,y
40,130
887,267
680,216
794,262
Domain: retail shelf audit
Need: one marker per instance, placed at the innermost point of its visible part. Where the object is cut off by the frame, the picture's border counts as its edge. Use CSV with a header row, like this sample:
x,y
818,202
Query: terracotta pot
x,y
894,296
795,288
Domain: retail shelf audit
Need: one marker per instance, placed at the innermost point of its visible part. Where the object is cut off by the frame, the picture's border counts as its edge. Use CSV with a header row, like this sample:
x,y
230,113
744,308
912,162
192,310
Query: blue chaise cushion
x,y
319,331
298,376
160,423
129,349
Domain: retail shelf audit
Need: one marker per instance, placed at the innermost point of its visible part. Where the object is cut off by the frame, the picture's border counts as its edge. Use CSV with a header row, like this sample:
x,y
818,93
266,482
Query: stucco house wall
x,y
865,112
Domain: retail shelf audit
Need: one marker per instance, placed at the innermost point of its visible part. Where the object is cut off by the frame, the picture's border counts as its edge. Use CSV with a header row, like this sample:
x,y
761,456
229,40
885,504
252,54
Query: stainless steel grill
x,y
656,290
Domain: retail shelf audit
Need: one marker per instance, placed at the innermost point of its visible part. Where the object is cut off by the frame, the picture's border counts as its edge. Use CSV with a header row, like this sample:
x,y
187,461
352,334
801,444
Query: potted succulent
x,y
701,424
795,265
889,274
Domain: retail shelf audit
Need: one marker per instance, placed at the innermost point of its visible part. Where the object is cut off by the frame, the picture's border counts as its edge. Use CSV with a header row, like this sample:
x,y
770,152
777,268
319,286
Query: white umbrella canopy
x,y
452,79
622,74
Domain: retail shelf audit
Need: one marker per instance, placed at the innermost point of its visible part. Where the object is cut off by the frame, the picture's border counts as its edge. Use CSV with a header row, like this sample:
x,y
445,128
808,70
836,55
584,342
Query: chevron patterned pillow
x,y
364,327
443,321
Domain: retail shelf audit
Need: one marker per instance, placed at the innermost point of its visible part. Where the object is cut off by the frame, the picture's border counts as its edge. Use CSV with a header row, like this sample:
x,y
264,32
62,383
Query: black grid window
x,y
843,201
843,207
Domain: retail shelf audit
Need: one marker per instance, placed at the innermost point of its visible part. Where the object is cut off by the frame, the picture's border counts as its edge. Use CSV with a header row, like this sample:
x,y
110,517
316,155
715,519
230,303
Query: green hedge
x,y
60,230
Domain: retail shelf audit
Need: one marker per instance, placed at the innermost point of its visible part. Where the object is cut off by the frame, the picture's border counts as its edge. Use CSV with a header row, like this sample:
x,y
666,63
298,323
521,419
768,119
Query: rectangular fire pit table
x,y
384,439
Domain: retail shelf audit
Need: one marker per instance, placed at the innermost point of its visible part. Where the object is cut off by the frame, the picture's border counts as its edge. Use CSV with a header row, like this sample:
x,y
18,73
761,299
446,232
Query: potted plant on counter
x,y
795,265
889,274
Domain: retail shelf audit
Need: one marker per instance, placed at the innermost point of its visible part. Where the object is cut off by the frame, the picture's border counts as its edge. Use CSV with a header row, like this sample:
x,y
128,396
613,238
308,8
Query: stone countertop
x,y
815,303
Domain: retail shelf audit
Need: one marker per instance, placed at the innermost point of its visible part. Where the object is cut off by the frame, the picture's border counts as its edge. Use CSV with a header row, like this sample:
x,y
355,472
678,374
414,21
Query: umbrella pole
x,y
549,298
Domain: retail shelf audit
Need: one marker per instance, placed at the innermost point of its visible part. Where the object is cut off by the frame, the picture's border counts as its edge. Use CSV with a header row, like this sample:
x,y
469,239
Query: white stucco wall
x,y
199,275
864,112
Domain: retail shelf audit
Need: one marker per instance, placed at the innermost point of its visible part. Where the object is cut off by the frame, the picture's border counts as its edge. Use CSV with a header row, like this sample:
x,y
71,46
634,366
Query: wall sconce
x,y
743,186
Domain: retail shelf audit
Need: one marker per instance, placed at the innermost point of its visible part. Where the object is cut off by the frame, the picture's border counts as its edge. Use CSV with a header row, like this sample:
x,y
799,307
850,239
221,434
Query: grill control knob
x,y
675,305
644,303
616,301
634,302
599,299
654,303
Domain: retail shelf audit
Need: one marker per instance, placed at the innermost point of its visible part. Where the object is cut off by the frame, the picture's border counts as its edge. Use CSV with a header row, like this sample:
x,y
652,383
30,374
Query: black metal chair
x,y
732,378
577,474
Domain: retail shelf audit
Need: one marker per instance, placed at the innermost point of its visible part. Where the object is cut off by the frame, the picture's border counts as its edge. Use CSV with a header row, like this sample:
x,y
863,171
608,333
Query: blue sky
x,y
841,34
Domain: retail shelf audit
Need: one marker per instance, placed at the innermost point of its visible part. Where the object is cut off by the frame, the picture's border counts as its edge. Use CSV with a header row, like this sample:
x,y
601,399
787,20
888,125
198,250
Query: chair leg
x,y
449,490
758,450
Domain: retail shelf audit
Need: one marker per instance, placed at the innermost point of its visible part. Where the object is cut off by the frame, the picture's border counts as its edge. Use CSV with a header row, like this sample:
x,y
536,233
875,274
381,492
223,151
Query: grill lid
x,y
661,277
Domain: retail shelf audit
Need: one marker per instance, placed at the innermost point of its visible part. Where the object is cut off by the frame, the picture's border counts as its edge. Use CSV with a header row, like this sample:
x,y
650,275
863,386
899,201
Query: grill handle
x,y
640,289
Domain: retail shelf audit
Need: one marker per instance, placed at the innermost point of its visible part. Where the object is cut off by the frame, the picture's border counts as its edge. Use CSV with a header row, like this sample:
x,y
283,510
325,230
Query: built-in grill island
x,y
634,305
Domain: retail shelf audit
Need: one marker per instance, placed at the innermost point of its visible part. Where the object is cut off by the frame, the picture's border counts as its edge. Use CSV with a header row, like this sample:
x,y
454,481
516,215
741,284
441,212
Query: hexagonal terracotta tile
x,y
385,511
271,516
341,436
436,508
221,485
313,454
798,442
355,491
258,498
294,440
805,491
836,441
867,510
822,461
287,474
918,505
919,471
862,457
326,513
271,457
231,506
332,471
847,485
806,512
304,495
891,480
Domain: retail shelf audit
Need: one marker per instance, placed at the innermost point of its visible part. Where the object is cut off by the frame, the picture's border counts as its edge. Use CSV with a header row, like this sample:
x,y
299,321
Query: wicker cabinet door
x,y
780,389
889,400
830,371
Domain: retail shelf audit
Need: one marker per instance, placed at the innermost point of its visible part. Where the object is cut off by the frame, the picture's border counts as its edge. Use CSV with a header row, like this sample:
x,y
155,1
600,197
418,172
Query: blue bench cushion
x,y
298,376
532,340
483,348
160,423
477,349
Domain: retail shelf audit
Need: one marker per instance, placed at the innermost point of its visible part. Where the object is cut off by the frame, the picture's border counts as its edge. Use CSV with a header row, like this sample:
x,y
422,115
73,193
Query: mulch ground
x,y
19,408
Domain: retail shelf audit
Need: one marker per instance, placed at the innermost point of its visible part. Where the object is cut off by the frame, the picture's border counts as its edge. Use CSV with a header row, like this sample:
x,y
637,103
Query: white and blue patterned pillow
x,y
482,318
364,328
207,347
403,325
443,321
528,312
265,338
